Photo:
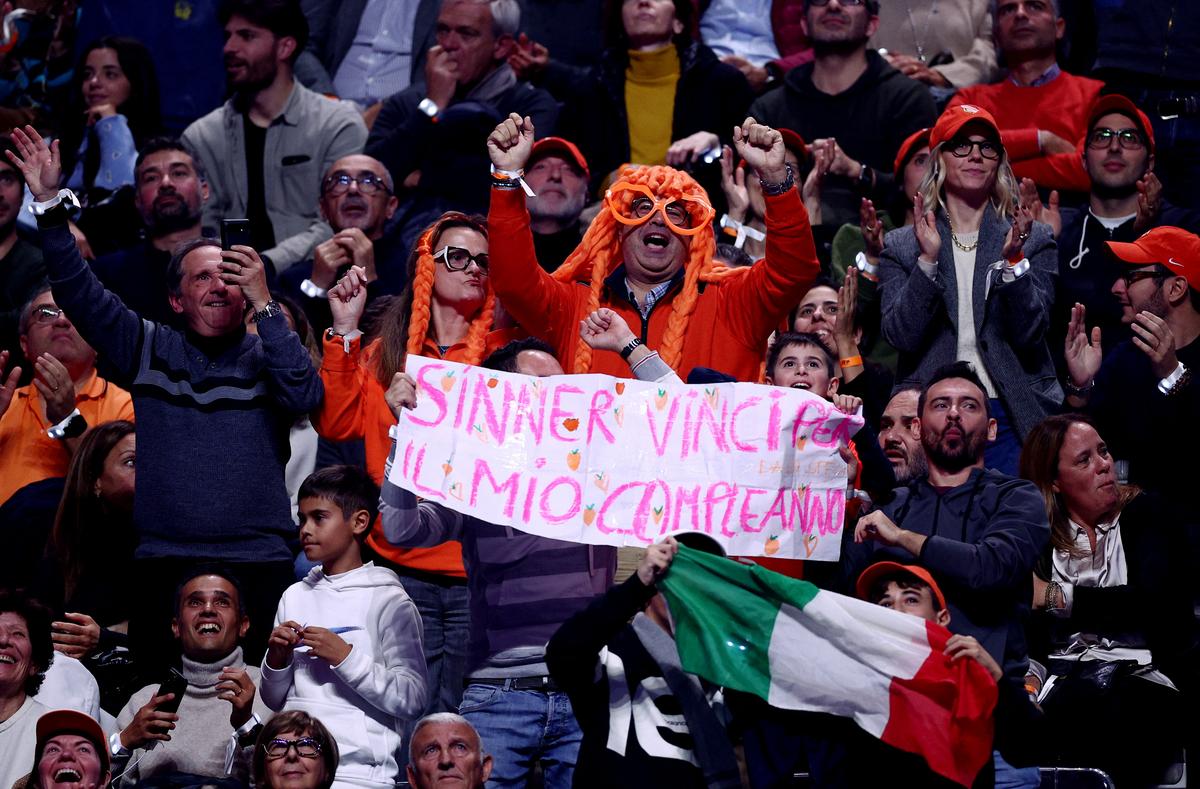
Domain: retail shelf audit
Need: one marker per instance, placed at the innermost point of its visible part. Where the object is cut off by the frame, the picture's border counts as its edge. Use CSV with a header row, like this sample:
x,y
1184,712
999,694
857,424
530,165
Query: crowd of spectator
x,y
972,221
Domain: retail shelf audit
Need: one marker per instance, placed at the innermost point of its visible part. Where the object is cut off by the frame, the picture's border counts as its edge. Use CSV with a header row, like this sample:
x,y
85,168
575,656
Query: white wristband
x,y
313,290
1166,384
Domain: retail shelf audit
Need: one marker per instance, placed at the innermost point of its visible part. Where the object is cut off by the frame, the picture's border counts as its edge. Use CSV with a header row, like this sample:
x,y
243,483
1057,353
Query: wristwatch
x,y
73,426
270,309
429,107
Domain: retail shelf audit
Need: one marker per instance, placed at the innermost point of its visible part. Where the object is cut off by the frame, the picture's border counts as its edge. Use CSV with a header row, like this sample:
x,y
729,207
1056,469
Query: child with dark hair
x,y
347,645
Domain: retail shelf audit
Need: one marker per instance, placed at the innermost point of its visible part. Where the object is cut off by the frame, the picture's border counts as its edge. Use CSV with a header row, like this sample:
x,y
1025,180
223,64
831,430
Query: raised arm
x,y
102,319
758,301
541,304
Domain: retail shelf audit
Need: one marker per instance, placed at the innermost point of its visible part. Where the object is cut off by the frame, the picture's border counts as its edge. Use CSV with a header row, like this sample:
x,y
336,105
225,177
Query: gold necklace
x,y
957,243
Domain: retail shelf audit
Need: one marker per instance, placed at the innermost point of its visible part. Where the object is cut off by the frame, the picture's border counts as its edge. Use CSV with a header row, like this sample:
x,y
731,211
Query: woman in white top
x,y
1113,601
973,280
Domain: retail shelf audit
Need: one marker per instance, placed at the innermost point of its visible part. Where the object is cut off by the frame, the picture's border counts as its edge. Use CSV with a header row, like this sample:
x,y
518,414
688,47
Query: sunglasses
x,y
457,259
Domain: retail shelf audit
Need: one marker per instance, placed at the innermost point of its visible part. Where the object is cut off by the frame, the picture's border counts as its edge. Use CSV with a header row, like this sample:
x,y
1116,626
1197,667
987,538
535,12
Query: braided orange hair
x,y
406,325
600,250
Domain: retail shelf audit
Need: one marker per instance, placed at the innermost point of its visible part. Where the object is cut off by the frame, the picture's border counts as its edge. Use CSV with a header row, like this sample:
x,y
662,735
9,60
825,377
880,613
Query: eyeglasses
x,y
368,183
305,746
809,310
457,259
961,149
1131,277
1129,139
45,315
686,215
823,3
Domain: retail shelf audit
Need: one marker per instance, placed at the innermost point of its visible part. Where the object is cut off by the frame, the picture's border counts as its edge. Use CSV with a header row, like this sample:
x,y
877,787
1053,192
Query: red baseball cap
x,y
557,146
1173,247
880,569
954,118
71,722
1115,102
915,142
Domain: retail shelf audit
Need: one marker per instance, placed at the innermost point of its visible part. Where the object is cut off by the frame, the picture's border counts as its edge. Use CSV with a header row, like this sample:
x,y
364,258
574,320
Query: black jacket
x,y
710,96
870,120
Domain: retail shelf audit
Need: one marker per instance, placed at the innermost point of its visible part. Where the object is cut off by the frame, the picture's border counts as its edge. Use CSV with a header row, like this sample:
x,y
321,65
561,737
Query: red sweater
x,y
1060,106
729,327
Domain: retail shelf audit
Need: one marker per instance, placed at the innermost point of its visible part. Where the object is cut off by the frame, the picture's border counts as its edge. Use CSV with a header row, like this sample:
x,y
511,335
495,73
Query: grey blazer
x,y
920,315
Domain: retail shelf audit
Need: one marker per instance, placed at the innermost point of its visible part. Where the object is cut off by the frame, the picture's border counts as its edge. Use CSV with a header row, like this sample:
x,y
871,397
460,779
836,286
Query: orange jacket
x,y
354,408
729,327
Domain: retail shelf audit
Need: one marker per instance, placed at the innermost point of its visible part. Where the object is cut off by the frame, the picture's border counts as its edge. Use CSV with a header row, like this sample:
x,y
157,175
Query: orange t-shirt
x,y
28,454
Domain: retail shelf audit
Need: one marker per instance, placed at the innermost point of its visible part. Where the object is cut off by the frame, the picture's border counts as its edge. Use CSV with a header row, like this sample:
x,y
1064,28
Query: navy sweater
x,y
212,421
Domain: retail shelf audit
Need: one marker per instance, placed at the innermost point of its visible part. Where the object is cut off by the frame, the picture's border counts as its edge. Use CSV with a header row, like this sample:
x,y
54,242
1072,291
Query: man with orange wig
x,y
648,255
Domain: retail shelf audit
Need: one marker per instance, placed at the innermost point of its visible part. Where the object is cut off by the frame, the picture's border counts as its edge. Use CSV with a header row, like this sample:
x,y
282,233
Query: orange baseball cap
x,y
557,146
1115,102
954,118
1173,247
915,142
58,722
880,569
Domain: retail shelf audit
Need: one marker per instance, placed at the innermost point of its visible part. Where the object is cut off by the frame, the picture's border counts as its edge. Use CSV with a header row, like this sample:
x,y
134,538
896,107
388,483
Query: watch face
x,y
76,427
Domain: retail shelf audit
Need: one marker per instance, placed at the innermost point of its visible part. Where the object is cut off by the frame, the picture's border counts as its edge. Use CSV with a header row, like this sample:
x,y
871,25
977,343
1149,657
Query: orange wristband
x,y
850,361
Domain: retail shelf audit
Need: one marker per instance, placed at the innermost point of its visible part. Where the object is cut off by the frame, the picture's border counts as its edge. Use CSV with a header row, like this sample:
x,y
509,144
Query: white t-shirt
x,y
968,345
18,739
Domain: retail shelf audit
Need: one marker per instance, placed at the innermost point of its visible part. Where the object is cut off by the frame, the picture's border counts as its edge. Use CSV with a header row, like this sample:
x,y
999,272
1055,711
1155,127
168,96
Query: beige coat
x,y
961,27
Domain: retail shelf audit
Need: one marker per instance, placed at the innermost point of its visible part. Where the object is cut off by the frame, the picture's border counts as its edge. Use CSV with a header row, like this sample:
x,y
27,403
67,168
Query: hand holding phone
x,y
235,231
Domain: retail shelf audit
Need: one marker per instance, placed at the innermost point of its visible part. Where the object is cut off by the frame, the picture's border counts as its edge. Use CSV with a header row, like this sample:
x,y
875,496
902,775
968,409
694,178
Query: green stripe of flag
x,y
723,630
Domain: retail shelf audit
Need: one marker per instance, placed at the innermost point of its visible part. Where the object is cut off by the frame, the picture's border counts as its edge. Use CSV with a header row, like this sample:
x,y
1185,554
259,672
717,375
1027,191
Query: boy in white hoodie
x,y
346,647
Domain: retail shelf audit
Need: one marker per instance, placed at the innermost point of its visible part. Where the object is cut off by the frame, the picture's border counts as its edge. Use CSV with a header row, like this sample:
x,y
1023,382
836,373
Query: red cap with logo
x,y
881,569
557,146
954,118
1173,247
1115,102
57,722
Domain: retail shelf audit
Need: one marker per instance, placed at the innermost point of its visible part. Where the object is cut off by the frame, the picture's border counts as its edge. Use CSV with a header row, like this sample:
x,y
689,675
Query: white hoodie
x,y
366,699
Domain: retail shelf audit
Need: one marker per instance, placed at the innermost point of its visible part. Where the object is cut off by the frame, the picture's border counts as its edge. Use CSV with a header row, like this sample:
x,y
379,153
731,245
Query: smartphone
x,y
176,683
235,231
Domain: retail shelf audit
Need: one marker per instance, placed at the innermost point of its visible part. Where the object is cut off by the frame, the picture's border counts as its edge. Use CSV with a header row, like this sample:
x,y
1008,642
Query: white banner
x,y
610,461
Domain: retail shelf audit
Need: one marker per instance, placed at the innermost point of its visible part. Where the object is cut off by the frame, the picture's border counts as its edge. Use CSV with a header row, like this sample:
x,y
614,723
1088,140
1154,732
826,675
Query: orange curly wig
x,y
408,324
599,253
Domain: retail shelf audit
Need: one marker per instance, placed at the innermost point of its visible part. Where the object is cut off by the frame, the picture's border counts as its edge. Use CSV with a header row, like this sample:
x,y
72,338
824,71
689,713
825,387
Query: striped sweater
x,y
212,417
522,586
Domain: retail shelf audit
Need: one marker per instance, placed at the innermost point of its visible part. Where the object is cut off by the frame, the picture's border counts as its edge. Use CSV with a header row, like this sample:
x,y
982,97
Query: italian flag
x,y
801,648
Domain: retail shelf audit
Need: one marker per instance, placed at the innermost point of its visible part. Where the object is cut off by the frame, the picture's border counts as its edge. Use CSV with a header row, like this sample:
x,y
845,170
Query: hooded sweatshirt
x,y
366,699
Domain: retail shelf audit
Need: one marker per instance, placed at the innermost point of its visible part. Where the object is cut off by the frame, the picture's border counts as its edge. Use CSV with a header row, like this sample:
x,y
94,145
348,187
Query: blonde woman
x,y
973,280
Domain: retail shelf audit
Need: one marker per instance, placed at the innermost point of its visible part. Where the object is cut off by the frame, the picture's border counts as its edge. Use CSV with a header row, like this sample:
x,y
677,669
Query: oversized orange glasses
x,y
686,216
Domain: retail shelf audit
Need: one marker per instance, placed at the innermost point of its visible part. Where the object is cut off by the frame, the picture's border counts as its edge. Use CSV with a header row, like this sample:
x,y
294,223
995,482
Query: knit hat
x,y
954,118
1115,102
1173,247
880,569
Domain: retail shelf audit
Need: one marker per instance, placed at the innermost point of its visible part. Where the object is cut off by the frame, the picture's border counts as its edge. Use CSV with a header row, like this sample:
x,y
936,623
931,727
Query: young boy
x,y
346,647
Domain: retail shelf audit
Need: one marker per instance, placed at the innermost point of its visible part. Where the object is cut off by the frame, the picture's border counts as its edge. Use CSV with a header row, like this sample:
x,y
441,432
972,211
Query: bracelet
x,y
1078,391
740,231
511,179
1052,591
774,189
630,347
850,361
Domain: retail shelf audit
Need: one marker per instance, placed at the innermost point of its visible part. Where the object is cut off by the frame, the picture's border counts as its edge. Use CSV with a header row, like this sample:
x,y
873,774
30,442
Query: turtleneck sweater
x,y
650,81
201,736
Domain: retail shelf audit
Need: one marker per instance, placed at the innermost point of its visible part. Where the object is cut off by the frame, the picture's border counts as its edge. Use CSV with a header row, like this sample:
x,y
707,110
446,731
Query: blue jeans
x,y
446,620
521,727
1003,454
1009,777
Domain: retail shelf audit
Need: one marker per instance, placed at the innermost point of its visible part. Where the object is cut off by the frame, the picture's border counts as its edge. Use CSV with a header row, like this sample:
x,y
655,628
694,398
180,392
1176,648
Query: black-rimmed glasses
x,y
1129,139
457,259
1131,277
961,149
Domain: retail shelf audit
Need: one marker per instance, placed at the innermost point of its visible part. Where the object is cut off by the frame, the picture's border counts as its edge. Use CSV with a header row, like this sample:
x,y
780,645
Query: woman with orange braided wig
x,y
446,312
648,255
